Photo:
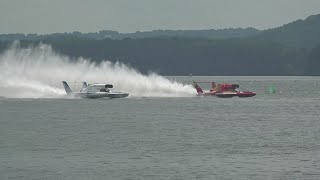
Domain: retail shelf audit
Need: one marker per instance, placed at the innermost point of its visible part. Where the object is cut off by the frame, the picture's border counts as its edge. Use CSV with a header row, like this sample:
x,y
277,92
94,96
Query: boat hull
x,y
226,94
246,94
118,95
241,94
102,95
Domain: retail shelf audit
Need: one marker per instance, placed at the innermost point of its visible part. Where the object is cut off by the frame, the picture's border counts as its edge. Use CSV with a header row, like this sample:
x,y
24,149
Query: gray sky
x,y
48,16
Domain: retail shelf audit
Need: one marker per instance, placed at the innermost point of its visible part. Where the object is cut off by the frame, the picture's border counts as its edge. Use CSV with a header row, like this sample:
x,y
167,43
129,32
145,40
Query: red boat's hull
x,y
223,90
246,94
226,94
241,94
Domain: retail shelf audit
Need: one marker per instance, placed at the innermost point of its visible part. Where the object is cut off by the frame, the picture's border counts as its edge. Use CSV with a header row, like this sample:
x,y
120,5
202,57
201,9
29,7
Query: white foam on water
x,y
37,72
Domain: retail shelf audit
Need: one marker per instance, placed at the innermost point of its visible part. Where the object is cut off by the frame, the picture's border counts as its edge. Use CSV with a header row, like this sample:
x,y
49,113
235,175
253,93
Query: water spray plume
x,y
37,72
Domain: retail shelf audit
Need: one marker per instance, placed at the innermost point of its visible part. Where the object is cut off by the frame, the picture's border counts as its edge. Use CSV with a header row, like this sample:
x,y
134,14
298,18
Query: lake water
x,y
269,136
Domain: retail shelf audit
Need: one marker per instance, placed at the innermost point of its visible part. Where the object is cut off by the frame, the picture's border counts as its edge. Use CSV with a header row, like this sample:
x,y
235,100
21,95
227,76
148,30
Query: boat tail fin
x,y
197,87
84,85
66,87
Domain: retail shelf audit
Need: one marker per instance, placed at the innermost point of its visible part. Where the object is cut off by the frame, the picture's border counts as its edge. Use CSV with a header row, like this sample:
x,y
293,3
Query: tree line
x,y
184,56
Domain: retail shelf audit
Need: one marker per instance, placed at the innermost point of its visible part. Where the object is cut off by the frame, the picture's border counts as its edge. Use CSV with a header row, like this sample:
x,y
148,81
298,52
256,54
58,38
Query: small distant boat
x,y
222,90
94,91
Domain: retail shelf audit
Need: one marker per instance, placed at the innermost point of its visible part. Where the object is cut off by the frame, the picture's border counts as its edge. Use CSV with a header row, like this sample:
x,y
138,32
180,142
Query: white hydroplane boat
x,y
94,91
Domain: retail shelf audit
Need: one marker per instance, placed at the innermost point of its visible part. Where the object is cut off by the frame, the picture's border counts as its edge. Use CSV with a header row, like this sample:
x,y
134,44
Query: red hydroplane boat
x,y
222,90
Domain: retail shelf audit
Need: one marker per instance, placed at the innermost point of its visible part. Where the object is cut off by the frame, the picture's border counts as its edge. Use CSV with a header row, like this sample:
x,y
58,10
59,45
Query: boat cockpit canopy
x,y
108,86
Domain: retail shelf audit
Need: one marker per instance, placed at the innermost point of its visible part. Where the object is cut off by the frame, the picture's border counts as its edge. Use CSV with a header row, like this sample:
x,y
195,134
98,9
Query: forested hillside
x,y
300,33
313,62
292,49
189,56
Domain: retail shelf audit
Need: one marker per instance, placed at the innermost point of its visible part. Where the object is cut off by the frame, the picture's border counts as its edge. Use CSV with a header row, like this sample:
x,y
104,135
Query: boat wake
x,y
37,72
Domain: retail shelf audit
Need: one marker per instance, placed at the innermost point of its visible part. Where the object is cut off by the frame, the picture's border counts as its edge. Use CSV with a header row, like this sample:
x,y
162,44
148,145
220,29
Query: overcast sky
x,y
48,16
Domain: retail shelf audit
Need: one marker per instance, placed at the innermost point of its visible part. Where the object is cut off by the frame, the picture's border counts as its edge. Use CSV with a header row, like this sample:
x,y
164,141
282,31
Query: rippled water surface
x,y
269,136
